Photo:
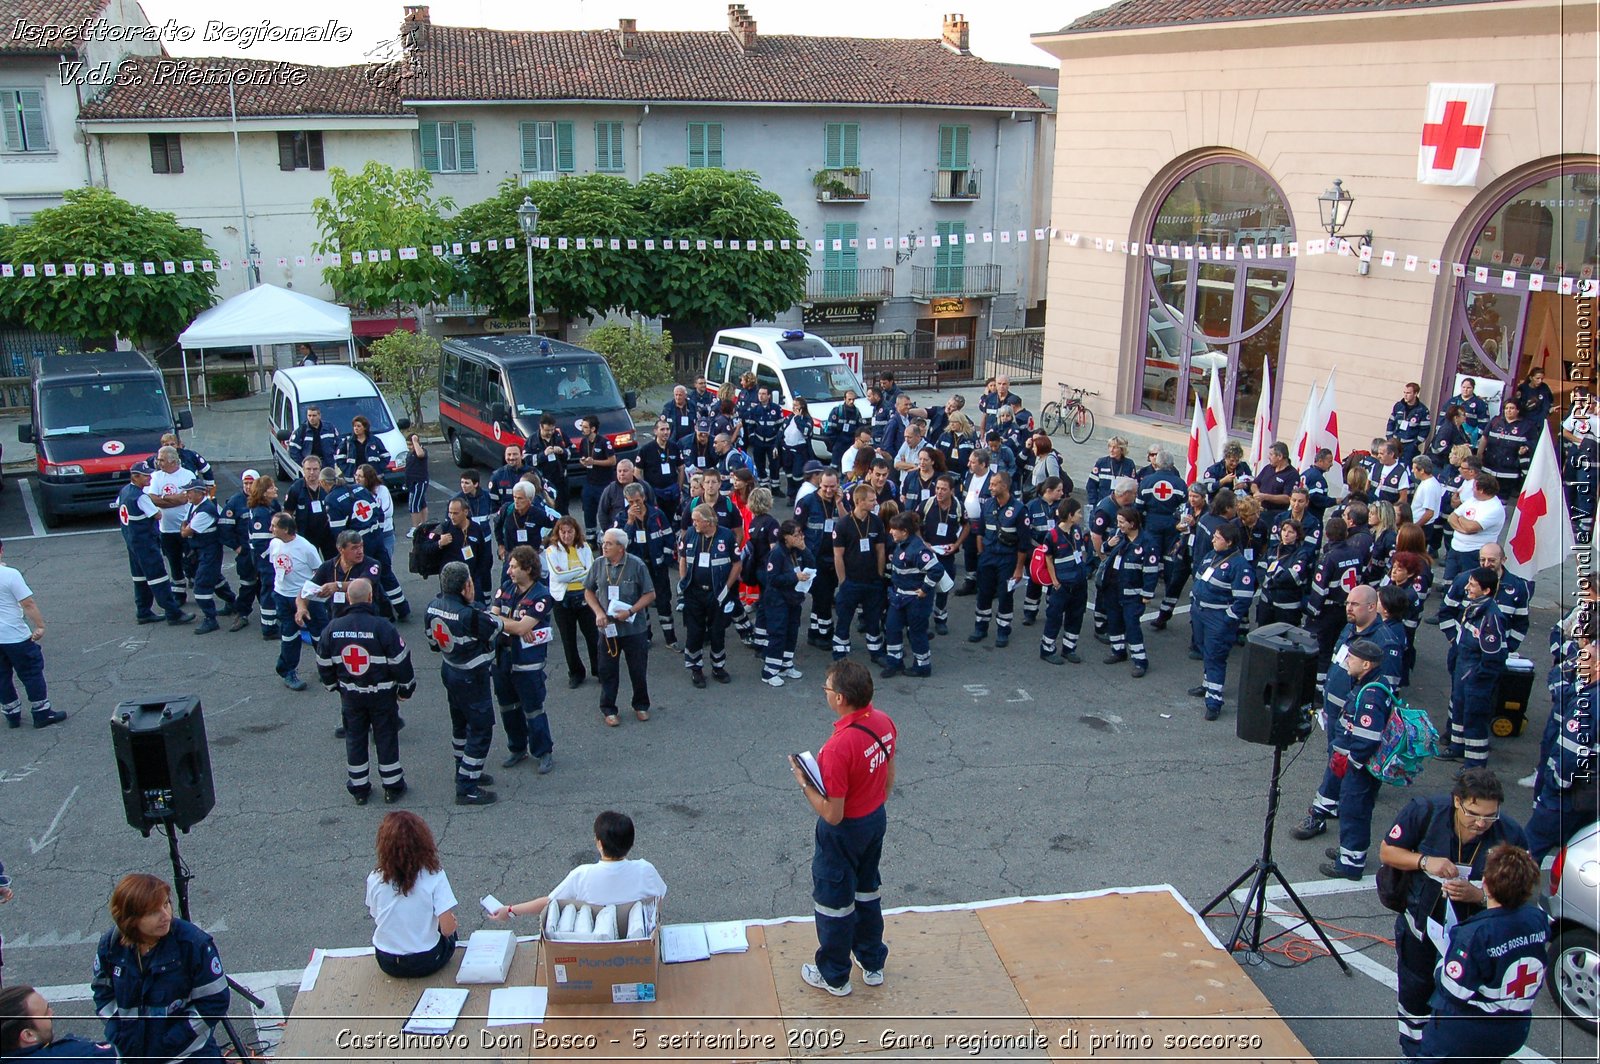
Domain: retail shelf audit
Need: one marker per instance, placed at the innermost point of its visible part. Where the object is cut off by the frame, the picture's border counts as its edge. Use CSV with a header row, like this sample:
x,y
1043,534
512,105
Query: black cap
x,y
1366,650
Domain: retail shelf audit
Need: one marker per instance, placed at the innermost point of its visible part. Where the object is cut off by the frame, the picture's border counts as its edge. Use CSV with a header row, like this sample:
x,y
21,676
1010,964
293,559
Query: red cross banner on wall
x,y
1453,131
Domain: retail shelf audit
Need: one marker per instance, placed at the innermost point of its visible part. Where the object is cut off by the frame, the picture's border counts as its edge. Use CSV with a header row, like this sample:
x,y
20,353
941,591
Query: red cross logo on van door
x,y
1162,490
113,447
497,432
355,660
441,635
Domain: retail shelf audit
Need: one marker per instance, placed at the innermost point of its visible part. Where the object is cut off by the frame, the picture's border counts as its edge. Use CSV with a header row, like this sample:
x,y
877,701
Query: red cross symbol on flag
x,y
363,511
1451,135
1162,490
441,635
1524,980
355,660
1453,130
1349,581
1530,507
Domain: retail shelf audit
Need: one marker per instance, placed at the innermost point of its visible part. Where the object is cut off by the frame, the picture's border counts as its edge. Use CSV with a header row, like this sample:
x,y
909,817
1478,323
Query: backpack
x,y
425,554
1409,739
1041,570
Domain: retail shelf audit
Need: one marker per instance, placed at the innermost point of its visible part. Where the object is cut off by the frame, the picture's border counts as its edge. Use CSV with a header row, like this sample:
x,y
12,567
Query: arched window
x,y
1216,290
1544,227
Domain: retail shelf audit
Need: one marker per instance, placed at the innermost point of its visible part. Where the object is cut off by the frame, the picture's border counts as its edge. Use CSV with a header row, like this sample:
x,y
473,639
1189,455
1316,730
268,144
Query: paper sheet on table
x,y
727,937
684,942
511,1005
437,1010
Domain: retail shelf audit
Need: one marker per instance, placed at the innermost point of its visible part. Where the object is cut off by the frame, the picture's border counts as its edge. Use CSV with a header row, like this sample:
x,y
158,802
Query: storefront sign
x,y
948,306
840,314
505,325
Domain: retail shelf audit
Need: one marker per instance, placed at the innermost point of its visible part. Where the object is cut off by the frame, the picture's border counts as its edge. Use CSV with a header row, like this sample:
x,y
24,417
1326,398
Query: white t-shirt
x,y
1490,513
14,626
611,883
1428,496
293,564
385,503
1583,425
164,483
408,923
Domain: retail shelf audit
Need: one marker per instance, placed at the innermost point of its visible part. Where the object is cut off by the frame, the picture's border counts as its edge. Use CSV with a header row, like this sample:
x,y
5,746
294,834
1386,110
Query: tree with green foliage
x,y
408,363
384,208
715,289
640,357
579,284
96,226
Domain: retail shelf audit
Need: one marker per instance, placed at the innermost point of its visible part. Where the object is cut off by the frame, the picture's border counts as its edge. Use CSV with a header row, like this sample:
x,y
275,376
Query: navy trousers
x,y
1465,1039
868,597
1219,631
1358,793
26,660
521,696
471,724
908,620
845,892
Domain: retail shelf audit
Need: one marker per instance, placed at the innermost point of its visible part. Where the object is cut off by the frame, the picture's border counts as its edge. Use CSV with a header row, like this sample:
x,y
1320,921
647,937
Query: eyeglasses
x,y
1481,818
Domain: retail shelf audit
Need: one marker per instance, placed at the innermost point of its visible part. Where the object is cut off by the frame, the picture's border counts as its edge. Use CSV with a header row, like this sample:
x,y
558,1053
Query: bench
x,y
908,372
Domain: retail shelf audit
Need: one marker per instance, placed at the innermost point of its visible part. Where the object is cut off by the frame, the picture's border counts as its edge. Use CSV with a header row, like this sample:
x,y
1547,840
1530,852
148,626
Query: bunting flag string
x,y
1517,273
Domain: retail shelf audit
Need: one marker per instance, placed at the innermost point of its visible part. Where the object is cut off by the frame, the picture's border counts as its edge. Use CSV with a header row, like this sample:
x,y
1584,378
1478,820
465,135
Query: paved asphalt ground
x,y
1016,778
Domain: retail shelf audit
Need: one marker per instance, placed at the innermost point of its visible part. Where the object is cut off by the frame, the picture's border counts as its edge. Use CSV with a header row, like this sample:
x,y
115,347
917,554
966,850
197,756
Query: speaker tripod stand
x,y
1265,868
180,881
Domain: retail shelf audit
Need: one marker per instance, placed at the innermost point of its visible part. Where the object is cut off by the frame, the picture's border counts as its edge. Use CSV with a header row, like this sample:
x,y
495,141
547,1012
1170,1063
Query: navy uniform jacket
x,y
1225,583
1359,731
1315,481
763,425
140,518
1310,529
941,527
1410,424
1206,526
1287,576
337,502
513,529
233,521
1336,691
473,547
681,419
1106,469
781,574
718,549
1103,521
1387,485
354,452
1534,403
1160,495
1213,478
1480,643
957,449
1511,596
1004,530
843,420
912,566
502,480
762,539
212,535
309,509
479,507
258,535
818,518
362,656
527,652
552,468
1449,435
914,490
332,571
1041,518
1474,415
652,541
1337,574
1494,963
322,442
67,1047
1506,439
1427,826
1568,752
1069,554
465,635
1136,566
696,457
162,1005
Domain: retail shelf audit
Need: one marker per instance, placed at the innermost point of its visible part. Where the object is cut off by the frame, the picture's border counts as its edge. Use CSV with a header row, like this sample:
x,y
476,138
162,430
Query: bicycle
x,y
1069,412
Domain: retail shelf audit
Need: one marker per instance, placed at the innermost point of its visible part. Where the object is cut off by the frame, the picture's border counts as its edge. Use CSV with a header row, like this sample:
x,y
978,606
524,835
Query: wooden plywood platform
x,y
1112,975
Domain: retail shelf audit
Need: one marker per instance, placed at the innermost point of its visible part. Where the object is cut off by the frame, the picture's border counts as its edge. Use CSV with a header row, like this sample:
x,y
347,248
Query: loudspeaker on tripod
x,y
163,762
1278,683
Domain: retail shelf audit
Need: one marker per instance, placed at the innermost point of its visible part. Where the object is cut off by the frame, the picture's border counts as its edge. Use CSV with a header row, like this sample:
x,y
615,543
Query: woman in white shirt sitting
x,y
567,559
410,900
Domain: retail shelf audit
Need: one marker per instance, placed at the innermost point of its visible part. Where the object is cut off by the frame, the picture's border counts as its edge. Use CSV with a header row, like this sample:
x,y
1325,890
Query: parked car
x,y
791,362
1574,908
93,416
340,392
494,389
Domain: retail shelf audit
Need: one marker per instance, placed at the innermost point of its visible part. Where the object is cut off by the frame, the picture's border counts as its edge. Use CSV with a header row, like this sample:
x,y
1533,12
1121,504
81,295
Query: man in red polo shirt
x,y
857,764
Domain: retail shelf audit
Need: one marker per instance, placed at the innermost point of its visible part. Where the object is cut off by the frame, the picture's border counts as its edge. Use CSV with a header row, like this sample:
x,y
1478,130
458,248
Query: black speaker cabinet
x,y
1278,683
163,761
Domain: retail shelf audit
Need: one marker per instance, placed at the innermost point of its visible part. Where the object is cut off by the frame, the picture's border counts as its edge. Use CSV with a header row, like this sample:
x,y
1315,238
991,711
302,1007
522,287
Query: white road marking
x,y
74,940
26,490
49,835
7,776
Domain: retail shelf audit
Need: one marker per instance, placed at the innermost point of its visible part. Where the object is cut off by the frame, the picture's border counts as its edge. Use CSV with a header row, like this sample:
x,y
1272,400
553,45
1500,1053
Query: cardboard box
x,y
603,972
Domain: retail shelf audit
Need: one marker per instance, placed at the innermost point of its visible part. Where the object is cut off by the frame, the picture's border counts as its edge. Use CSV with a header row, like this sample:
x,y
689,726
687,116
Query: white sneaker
x,y
793,674
772,681
1529,780
873,978
411,533
813,977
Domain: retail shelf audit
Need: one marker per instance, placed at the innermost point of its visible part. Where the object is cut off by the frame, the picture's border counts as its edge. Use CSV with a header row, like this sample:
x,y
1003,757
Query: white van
x,y
341,392
791,362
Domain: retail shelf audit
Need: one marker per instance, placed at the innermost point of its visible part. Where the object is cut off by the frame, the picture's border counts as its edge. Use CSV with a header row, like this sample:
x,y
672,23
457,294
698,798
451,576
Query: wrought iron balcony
x,y
848,286
847,185
928,282
958,185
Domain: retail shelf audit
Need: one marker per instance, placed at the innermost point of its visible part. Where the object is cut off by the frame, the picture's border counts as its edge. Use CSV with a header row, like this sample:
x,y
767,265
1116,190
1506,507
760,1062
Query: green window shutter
x,y
714,144
850,154
313,150
831,259
428,133
697,144
618,158
566,160
608,146
12,117
529,133
158,153
832,145
286,153
465,159
953,147
30,102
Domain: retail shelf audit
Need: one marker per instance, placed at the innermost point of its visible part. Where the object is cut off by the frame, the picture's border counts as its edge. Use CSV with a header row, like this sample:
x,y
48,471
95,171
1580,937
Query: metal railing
x,y
844,186
459,306
980,280
836,286
957,184
1017,353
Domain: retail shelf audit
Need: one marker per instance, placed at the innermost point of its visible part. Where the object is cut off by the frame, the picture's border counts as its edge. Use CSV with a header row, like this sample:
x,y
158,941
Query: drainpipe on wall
x,y
638,151
77,91
994,210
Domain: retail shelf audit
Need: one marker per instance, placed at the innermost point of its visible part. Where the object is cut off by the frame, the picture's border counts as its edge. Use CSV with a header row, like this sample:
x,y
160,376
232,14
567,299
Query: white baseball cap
x,y
248,475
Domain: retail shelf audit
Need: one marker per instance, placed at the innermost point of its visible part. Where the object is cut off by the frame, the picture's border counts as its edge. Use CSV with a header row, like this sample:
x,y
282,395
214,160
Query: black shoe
x,y
941,628
269,635
721,676
1331,853
1072,656
1101,637
698,678
1160,623
180,617
240,624
1213,713
1197,692
338,733
14,720
1309,828
921,673
892,670
1048,657
484,780
207,626
1140,670
516,758
879,658
477,797
1114,659
1029,622
977,637
1334,870
967,589
392,795
1195,655
361,799
44,720
147,618
1451,753
1431,620
226,610
575,681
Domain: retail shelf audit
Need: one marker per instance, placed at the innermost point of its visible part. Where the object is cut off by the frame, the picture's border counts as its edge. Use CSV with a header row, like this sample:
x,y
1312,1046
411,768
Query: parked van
x,y
791,362
341,393
94,415
494,389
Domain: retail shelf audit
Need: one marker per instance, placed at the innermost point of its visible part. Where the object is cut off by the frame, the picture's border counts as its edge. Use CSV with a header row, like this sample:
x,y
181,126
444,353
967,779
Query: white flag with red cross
x,y
1201,455
1216,420
1304,451
1541,528
1453,130
1262,436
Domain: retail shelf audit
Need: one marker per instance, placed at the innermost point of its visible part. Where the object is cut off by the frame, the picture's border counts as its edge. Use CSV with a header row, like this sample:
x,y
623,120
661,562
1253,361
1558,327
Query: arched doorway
x,y
1531,233
1216,288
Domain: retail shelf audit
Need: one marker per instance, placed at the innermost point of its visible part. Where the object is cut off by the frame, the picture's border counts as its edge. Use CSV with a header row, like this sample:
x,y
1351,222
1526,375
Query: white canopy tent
x,y
266,315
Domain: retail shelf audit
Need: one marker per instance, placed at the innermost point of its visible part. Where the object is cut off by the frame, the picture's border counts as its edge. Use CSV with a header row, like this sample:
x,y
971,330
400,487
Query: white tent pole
x,y
205,385
186,396
350,345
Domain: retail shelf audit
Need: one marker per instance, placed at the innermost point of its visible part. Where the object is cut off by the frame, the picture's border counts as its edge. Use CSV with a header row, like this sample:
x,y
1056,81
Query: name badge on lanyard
x,y
666,469
522,535
466,553
864,545
316,506
703,560
942,529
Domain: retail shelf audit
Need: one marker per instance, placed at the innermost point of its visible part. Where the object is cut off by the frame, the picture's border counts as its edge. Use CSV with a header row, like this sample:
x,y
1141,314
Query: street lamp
x,y
528,222
1334,207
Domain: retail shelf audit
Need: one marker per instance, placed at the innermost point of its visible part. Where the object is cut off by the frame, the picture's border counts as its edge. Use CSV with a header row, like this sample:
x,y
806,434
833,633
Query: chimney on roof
x,y
416,15
628,37
955,34
742,26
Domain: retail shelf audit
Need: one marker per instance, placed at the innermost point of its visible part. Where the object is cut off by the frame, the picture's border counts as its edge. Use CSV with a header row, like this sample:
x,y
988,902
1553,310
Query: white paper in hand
x,y
491,904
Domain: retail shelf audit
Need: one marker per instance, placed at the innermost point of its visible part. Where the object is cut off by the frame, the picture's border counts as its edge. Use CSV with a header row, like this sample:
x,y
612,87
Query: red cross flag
x,y
1453,131
1201,456
1262,436
1541,529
